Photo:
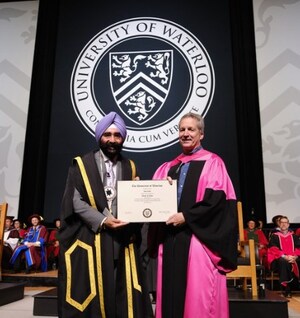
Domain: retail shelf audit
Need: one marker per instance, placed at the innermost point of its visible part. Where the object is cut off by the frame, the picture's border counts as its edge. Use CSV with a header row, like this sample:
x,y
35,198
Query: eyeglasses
x,y
284,222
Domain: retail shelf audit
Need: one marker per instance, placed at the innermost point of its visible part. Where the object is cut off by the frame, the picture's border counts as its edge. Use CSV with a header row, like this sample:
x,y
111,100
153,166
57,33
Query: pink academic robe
x,y
206,290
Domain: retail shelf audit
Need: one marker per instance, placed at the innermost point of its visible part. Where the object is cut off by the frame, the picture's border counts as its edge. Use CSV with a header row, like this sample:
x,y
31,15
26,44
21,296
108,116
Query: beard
x,y
111,149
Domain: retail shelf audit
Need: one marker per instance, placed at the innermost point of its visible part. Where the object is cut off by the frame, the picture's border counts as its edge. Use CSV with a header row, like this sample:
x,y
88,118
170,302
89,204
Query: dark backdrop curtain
x,y
247,110
37,133
251,192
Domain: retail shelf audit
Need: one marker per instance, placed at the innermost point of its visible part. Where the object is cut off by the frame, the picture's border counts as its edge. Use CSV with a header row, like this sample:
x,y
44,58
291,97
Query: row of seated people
x,y
35,248
280,252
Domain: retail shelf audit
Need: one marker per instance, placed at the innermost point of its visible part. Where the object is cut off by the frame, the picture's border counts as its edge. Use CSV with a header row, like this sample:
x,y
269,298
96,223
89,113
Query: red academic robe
x,y
262,242
53,247
35,256
284,244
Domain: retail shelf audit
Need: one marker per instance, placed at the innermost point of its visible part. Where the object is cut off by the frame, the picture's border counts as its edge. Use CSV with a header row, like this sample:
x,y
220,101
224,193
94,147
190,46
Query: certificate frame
x,y
146,200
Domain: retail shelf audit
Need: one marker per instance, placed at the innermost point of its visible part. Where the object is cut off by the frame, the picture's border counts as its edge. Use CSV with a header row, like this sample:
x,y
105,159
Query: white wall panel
x,y
17,37
277,26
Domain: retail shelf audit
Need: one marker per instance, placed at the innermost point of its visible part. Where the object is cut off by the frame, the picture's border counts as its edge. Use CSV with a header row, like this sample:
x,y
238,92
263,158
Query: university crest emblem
x,y
140,82
151,71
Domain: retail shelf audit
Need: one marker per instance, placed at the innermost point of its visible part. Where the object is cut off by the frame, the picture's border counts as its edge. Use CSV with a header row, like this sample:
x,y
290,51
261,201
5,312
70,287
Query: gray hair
x,y
199,119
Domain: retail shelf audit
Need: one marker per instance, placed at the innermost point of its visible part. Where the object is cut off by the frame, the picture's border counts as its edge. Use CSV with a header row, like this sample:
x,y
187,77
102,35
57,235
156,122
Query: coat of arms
x,y
140,82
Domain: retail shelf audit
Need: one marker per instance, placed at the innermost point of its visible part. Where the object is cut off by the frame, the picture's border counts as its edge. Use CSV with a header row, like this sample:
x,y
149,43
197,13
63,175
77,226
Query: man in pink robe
x,y
196,246
283,255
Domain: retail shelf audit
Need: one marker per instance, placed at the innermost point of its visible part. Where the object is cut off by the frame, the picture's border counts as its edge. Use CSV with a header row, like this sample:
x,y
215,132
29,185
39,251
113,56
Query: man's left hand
x,y
176,219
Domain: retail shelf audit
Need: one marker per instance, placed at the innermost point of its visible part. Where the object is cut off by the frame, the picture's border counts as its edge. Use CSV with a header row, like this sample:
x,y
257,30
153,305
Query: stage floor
x,y
25,306
34,279
242,304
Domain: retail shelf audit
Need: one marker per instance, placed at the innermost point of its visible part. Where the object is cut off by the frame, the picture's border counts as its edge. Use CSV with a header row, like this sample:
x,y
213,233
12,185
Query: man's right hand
x,y
112,223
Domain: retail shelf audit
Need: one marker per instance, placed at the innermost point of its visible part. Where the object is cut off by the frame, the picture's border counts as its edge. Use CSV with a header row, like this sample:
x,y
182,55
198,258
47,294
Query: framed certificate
x,y
146,200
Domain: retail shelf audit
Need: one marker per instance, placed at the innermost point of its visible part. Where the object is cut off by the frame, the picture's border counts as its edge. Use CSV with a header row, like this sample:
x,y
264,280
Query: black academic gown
x,y
86,272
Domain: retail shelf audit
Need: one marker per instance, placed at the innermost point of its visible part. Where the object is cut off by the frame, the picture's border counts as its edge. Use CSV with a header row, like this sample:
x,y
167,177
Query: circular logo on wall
x,y
149,70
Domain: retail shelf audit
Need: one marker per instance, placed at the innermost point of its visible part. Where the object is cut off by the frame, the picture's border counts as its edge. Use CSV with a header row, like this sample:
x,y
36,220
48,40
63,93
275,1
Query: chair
x,y
247,260
272,275
3,212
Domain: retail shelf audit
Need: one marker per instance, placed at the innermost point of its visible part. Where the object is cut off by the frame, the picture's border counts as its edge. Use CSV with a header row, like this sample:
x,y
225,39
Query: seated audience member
x,y
260,225
21,228
283,255
33,248
10,241
252,232
275,221
53,246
